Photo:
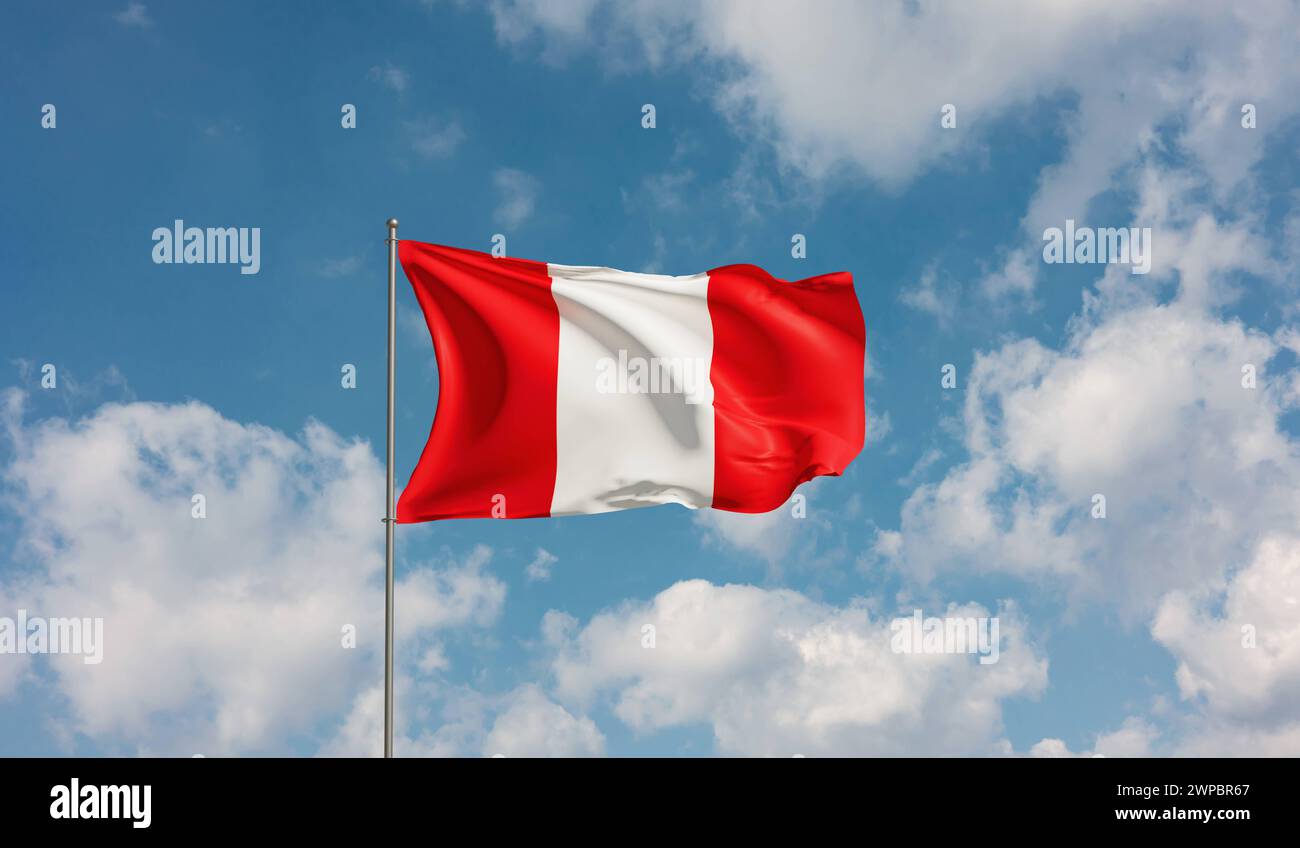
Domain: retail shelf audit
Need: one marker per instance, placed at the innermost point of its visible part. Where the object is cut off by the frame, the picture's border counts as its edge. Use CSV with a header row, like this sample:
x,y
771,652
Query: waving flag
x,y
566,390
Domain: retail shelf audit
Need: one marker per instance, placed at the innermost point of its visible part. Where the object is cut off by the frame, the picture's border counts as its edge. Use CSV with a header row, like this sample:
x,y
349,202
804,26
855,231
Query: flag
x,y
567,389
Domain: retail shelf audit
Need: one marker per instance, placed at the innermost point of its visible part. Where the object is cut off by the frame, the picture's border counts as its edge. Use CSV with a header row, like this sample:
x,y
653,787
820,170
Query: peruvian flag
x,y
566,390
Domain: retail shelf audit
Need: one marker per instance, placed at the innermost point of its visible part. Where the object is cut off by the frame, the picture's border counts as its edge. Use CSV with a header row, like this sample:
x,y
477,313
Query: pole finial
x,y
392,223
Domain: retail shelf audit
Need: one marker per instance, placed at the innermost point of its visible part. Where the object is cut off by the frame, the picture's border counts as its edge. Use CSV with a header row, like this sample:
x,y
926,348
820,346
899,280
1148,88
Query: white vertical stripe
x,y
634,405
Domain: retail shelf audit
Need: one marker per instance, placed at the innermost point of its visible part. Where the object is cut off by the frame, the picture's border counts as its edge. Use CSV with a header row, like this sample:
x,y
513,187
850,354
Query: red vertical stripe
x,y
787,379
496,332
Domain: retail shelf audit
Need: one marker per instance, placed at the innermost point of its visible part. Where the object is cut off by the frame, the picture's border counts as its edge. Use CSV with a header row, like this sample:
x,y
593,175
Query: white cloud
x,y
1050,749
768,535
1238,652
517,195
798,535
1144,405
75,392
1143,402
360,734
462,722
926,296
15,669
533,725
1016,276
222,635
518,21
433,138
1138,80
1134,738
1145,408
784,70
540,567
776,673
922,465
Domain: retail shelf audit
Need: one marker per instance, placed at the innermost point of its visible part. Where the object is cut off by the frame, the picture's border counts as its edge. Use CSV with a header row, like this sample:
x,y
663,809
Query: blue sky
x,y
1122,635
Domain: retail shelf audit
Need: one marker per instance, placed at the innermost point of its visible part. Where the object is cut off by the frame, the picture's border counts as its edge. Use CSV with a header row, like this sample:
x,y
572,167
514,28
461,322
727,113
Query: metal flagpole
x,y
389,518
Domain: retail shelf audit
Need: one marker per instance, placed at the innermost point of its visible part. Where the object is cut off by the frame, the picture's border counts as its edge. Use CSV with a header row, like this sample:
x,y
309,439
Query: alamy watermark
x,y
1085,245
73,800
949,635
653,375
184,245
25,634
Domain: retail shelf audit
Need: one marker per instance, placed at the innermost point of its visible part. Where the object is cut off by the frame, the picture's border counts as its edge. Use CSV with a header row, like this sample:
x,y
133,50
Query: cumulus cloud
x,y
1147,60
776,673
1133,739
462,722
1238,652
1146,409
1160,79
1145,405
532,725
225,634
1171,411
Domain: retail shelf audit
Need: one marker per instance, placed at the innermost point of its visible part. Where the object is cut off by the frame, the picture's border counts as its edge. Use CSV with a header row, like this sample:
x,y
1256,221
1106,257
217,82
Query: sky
x,y
924,147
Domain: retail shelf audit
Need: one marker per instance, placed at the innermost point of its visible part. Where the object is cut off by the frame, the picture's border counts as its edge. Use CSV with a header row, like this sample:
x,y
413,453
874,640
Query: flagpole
x,y
389,518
